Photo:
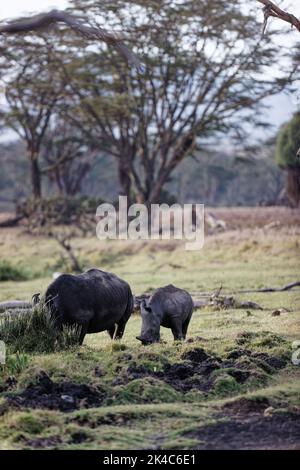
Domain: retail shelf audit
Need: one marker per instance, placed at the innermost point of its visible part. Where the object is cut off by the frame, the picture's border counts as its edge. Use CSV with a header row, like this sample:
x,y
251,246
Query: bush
x,y
57,210
35,333
11,273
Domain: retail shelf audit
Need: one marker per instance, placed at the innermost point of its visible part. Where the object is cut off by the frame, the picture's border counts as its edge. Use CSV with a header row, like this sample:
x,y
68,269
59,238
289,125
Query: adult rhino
x,y
170,307
95,300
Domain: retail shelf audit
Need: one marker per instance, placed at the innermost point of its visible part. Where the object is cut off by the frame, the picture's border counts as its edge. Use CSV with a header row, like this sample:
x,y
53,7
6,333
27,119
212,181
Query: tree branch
x,y
270,9
78,24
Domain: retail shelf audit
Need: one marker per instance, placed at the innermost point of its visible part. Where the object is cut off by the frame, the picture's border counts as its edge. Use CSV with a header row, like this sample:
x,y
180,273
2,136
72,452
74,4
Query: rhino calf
x,y
170,307
94,300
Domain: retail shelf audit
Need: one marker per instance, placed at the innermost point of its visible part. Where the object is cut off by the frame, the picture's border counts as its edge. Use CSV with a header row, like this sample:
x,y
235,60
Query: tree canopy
x,y
207,74
288,143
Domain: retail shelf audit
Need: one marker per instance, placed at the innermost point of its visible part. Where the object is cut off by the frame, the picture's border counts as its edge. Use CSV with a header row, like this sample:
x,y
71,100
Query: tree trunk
x,y
124,179
35,175
293,186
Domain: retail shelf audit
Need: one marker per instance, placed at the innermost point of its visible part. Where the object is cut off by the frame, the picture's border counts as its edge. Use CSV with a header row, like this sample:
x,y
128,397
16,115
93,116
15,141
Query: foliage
x,y
58,210
35,333
200,65
8,272
288,144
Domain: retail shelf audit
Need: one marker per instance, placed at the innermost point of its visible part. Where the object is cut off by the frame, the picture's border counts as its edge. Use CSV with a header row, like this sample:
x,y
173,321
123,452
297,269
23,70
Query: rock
x,y
276,313
67,398
269,411
279,311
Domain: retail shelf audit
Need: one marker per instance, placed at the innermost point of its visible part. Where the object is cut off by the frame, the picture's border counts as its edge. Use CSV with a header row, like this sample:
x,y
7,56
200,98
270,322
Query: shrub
x,y
34,332
11,273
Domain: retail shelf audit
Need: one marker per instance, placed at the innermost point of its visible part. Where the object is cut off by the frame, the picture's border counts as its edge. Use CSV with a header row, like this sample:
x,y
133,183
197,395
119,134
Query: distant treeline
x,y
211,178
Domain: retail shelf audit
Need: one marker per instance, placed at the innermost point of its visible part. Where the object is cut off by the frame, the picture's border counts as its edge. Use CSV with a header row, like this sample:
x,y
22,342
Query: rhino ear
x,y
144,304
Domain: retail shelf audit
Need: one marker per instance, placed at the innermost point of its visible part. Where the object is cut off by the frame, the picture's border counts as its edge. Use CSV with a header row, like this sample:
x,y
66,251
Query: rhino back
x,y
171,302
93,297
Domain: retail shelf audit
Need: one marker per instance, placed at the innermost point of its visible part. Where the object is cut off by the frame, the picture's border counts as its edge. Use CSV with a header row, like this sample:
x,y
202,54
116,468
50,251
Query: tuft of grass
x,y
8,272
146,390
35,333
15,363
225,385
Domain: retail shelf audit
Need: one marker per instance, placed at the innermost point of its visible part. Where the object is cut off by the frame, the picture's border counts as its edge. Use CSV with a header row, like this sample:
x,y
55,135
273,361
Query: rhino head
x,y
150,324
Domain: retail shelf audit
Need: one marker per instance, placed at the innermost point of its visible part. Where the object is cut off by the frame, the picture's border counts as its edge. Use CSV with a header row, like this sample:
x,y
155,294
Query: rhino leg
x,y
117,331
176,327
111,332
121,327
83,332
185,325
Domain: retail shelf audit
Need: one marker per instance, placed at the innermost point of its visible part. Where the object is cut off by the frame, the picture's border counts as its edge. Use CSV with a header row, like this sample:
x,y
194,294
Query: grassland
x,y
233,377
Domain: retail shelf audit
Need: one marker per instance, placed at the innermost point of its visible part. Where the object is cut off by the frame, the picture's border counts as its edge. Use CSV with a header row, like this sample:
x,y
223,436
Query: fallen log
x,y
10,305
11,222
270,289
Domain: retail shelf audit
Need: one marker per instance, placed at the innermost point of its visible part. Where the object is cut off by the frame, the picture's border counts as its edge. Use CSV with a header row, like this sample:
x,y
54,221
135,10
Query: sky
x,y
282,107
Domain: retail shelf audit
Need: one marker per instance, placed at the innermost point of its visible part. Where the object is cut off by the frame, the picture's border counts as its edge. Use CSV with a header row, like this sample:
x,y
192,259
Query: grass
x,y
141,409
8,272
35,333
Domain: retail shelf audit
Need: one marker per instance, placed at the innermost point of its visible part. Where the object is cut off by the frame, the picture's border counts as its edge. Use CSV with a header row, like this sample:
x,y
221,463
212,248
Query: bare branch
x,y
272,10
78,24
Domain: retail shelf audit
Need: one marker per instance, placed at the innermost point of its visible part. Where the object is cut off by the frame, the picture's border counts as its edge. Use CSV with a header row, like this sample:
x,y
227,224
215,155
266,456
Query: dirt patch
x,y
242,217
64,396
272,361
265,339
43,442
206,373
279,431
195,355
79,437
244,406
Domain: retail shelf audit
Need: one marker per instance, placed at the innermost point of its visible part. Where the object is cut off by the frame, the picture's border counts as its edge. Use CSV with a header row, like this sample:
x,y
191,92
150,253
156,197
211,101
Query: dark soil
x,y
254,431
195,355
244,406
65,396
196,371
43,442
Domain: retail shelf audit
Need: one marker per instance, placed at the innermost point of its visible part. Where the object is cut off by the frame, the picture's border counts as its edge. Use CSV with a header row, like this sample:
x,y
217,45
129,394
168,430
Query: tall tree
x,y
32,89
67,156
205,76
288,142
33,86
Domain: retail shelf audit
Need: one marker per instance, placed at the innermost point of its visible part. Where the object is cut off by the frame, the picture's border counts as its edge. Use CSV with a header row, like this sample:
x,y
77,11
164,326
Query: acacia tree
x,y
205,75
67,156
32,88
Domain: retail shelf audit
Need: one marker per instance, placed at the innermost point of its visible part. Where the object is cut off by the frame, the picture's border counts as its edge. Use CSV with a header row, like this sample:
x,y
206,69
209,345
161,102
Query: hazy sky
x,y
11,8
282,107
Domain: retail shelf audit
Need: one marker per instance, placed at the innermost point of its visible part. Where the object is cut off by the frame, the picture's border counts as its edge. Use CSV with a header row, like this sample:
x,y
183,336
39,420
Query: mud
x,y
244,406
42,443
279,431
64,396
198,369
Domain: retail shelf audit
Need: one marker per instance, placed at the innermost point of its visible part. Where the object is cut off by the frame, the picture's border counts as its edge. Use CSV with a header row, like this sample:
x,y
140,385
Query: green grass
x,y
8,272
146,412
35,333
